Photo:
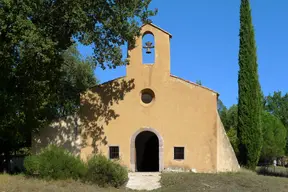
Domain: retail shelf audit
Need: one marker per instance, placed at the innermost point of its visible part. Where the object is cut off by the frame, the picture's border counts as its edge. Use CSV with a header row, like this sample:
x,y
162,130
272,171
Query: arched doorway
x,y
147,152
133,153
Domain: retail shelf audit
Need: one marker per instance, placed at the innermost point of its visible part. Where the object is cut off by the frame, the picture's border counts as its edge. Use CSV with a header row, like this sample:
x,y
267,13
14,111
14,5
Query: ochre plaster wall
x,y
182,113
62,132
183,117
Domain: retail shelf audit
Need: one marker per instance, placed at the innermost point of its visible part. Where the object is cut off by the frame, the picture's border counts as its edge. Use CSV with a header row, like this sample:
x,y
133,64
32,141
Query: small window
x,y
114,152
147,96
178,153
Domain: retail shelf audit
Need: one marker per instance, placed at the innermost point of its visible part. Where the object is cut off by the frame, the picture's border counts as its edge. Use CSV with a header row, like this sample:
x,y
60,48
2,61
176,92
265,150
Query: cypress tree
x,y
249,99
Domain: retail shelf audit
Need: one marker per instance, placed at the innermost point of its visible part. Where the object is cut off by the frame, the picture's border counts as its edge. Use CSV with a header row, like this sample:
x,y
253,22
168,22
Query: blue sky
x,y
205,43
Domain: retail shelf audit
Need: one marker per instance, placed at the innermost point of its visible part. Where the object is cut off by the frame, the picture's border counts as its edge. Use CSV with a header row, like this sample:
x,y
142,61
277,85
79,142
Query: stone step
x,y
144,181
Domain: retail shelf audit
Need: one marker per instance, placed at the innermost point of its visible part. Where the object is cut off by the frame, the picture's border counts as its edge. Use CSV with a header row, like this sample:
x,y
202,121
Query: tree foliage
x,y
78,75
249,102
222,111
233,138
35,80
199,82
274,137
229,120
274,132
232,117
277,105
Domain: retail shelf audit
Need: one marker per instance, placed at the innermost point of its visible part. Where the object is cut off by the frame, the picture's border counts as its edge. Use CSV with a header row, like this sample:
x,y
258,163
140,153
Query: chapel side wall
x,y
226,158
62,132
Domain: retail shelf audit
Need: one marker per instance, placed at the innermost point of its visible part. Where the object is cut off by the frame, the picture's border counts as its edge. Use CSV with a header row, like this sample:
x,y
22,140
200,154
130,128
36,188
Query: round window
x,y
147,96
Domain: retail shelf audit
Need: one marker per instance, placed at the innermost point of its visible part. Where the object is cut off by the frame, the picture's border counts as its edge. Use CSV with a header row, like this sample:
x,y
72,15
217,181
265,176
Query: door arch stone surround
x,y
133,151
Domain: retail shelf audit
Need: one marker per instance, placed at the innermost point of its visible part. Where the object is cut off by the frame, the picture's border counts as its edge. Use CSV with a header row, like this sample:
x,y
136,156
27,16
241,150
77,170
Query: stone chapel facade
x,y
150,120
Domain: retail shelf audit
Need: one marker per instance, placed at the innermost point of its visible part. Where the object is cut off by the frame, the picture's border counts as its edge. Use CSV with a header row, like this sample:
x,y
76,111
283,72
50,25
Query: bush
x,y
272,172
32,165
55,163
105,172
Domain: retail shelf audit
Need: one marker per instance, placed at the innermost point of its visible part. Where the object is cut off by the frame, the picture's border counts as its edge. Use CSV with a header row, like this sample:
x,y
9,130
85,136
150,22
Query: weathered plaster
x,y
226,159
63,132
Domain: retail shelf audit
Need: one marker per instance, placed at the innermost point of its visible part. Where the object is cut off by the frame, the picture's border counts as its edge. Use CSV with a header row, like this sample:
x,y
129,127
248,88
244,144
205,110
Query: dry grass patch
x,y
20,183
244,181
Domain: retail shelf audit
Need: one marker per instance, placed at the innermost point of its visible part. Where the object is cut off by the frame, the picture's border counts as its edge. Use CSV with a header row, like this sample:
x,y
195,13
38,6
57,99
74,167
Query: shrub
x,y
55,163
272,172
32,165
105,172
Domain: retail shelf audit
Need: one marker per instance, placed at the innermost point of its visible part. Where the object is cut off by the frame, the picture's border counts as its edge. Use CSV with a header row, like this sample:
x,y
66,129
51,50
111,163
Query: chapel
x,y
149,120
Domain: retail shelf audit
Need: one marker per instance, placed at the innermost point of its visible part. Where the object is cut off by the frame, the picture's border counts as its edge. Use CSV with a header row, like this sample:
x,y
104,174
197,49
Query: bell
x,y
148,51
148,47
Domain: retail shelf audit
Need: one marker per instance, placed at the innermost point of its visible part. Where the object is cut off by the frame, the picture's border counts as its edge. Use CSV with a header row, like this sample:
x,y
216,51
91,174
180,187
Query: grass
x,y
276,169
20,183
245,181
273,171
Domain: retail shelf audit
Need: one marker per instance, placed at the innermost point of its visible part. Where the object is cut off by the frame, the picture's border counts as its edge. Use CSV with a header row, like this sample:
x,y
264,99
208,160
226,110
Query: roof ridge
x,y
187,81
106,82
157,28
194,84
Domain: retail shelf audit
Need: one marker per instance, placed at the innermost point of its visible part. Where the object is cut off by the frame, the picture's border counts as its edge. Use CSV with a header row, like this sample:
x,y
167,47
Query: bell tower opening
x,y
148,49
151,55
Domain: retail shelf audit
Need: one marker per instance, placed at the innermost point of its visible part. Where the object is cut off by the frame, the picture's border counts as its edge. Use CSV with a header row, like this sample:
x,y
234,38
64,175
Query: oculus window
x,y
147,96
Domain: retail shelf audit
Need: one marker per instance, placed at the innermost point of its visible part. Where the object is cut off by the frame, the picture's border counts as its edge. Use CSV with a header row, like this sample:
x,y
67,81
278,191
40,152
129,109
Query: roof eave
x,y
158,28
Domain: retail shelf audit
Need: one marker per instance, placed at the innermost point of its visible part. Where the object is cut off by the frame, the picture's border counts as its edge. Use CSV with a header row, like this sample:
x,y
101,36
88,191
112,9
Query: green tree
x,y
222,111
274,137
77,76
233,138
232,117
229,120
249,101
277,104
274,133
198,82
34,37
